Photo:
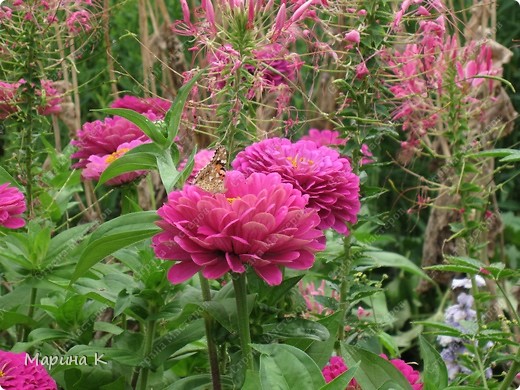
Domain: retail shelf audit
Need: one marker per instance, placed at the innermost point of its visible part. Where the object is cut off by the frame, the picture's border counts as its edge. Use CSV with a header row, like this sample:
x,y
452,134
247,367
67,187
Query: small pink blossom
x,y
362,70
78,22
353,36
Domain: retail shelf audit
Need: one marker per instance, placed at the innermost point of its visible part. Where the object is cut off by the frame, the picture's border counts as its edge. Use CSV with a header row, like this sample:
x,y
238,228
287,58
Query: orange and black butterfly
x,y
211,177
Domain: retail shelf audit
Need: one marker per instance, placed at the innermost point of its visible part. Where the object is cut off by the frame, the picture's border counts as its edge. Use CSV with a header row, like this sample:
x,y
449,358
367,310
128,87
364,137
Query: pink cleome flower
x,y
97,164
156,105
17,372
78,22
12,204
319,172
100,138
259,221
337,366
275,64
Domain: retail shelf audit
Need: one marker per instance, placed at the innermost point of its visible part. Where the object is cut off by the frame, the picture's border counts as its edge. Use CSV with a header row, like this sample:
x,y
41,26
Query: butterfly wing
x,y
211,177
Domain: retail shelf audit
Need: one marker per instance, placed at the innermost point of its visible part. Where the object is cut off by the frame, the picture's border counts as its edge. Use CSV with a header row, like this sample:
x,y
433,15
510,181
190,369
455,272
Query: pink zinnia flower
x,y
12,204
324,137
100,138
337,366
259,221
157,105
19,373
319,172
97,164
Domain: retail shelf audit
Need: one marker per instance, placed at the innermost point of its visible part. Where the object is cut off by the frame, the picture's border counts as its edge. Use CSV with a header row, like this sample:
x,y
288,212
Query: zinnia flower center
x,y
295,160
114,156
2,374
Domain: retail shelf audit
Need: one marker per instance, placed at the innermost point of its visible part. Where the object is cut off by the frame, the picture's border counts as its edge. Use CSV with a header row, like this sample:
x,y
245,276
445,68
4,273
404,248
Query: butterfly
x,y
211,177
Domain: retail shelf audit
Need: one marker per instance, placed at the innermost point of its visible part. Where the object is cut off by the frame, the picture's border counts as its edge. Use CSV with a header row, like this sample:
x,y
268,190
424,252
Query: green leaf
x,y
5,177
452,268
513,157
145,124
173,341
298,328
128,163
116,234
502,152
321,351
435,374
225,311
174,114
286,367
65,243
389,259
167,170
341,382
107,327
252,381
374,372
190,163
200,382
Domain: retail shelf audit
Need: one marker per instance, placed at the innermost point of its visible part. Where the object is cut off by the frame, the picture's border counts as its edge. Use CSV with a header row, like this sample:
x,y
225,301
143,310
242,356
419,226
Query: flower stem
x,y
343,292
239,284
212,347
513,370
148,345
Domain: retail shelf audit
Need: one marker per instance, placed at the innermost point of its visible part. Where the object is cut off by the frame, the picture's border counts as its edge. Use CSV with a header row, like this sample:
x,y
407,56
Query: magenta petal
x,y
14,223
270,273
182,271
216,270
234,263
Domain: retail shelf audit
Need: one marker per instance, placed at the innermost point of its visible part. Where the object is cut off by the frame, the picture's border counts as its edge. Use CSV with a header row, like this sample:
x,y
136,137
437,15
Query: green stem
x,y
239,284
513,370
148,345
29,94
212,346
343,291
30,313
